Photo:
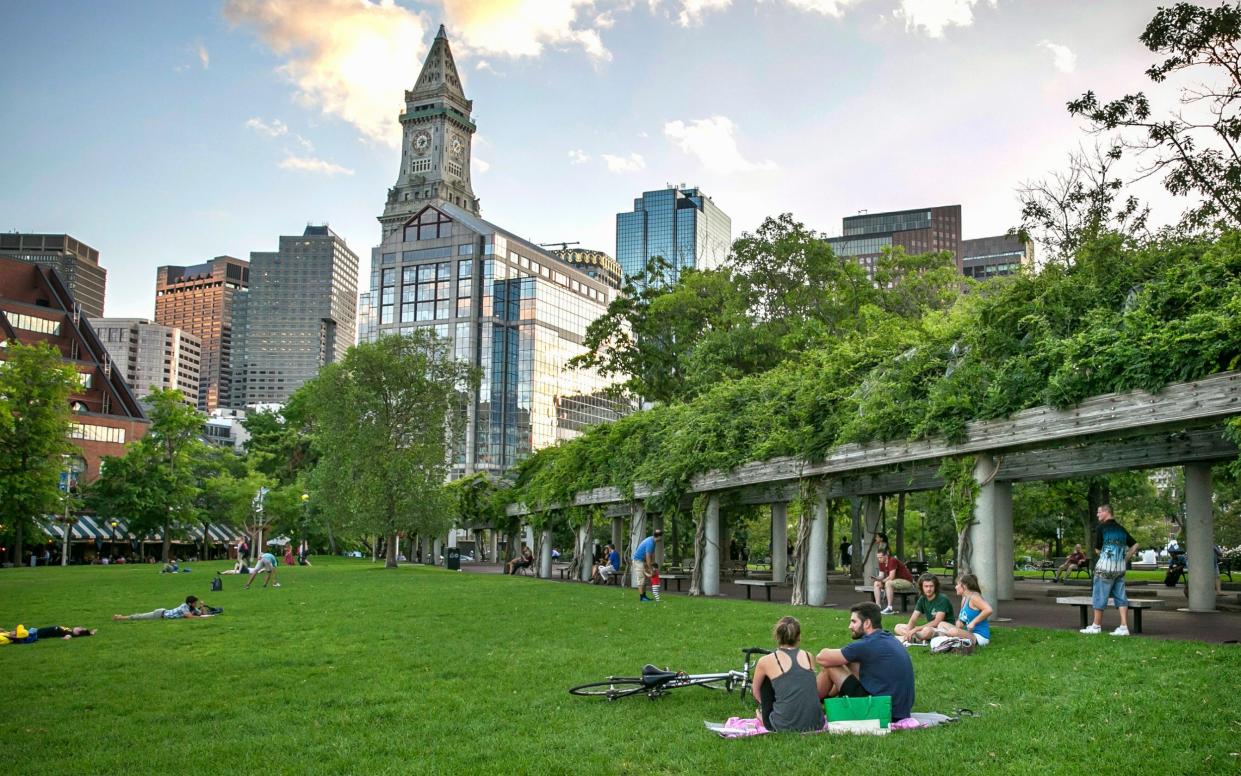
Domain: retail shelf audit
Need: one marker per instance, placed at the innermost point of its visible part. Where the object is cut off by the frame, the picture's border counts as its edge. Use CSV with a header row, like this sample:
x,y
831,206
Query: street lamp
x,y
302,549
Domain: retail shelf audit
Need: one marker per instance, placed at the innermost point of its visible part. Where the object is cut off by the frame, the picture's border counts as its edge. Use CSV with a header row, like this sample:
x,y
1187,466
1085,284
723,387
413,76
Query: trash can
x,y
452,559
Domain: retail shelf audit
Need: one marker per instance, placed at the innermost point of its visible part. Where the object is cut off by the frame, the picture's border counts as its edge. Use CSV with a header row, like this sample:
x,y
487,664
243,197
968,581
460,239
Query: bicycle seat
x,y
651,675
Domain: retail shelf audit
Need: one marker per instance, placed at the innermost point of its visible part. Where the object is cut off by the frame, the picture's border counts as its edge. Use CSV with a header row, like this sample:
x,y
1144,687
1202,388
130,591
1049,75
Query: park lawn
x,y
351,668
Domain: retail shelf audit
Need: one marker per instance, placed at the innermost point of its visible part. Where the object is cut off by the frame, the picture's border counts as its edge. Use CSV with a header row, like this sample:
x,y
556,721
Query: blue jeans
x,y
1104,588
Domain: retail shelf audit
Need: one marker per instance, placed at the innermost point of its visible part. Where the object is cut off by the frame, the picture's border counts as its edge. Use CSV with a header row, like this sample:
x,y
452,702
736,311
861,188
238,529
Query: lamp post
x,y
302,549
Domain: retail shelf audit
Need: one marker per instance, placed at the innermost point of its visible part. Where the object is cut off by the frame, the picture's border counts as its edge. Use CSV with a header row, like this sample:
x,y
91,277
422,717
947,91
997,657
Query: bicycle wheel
x,y
612,688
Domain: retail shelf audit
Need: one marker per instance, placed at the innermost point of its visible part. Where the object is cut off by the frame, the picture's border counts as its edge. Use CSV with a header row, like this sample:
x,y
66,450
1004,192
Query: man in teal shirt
x,y
266,565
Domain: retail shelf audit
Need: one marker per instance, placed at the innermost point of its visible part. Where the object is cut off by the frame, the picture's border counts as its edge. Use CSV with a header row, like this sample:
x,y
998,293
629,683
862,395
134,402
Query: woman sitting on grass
x,y
972,621
785,684
932,605
238,568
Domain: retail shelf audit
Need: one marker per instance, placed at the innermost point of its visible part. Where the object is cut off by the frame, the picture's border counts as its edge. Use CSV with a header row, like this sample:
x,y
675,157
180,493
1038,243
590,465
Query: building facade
x,y
299,315
77,263
151,355
923,230
595,264
506,306
988,257
681,225
36,306
199,300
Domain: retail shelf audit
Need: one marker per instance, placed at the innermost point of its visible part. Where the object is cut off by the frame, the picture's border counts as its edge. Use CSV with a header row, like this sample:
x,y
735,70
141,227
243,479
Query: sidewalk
x,y
1034,606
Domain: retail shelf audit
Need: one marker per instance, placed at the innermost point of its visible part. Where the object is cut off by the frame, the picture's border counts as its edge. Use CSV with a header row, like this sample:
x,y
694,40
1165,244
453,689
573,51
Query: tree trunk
x,y
206,541
331,541
167,548
1098,494
801,554
855,552
700,548
900,526
965,550
582,552
832,550
391,553
17,545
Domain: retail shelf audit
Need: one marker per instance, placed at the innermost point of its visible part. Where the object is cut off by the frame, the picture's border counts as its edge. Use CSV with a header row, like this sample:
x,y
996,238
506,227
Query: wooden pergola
x,y
1181,425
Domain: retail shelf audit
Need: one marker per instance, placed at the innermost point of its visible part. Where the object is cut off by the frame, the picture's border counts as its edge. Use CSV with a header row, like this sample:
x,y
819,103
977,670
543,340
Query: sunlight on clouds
x,y
713,142
934,16
825,7
631,163
350,58
203,56
312,164
521,28
275,129
1062,56
478,165
578,156
693,10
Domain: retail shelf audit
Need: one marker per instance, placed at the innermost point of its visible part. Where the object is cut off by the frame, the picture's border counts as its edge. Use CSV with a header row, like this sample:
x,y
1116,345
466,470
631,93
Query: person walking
x,y
1114,546
643,564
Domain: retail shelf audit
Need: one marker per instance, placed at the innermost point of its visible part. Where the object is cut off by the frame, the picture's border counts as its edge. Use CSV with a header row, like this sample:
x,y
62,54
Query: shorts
x,y
1108,588
901,585
640,574
262,566
852,688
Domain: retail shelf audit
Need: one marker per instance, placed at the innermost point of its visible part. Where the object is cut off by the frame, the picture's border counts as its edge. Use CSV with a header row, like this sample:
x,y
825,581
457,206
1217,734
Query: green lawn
x,y
350,668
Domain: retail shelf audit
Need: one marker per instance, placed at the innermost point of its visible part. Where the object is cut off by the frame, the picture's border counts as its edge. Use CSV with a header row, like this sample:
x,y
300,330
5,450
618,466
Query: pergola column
x,y
816,555
452,537
870,526
436,551
1004,541
545,553
637,532
779,541
585,551
711,552
493,545
1199,537
986,507
618,541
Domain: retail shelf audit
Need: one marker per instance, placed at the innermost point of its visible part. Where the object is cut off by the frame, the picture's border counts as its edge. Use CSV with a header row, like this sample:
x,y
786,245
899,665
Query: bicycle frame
x,y
655,683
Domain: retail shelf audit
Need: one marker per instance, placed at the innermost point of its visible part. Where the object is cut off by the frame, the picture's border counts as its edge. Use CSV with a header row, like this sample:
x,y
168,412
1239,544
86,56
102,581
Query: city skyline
x,y
233,121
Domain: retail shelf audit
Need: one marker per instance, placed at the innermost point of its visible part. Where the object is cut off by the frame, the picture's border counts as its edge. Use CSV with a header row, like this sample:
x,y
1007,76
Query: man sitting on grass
x,y
933,605
191,608
875,663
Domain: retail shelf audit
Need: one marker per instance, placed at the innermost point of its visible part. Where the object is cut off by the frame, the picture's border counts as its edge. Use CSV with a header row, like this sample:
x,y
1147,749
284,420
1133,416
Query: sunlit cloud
x,y
934,16
275,128
203,55
1062,56
623,164
713,141
522,28
692,11
825,7
578,156
313,165
478,165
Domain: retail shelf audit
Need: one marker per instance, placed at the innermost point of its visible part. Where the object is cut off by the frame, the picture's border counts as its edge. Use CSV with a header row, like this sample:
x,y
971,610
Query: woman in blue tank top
x,y
972,621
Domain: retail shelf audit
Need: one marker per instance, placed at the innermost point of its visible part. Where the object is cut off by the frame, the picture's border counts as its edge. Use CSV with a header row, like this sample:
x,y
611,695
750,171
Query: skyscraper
x,y
918,231
507,306
595,264
681,225
152,355
199,300
299,314
77,263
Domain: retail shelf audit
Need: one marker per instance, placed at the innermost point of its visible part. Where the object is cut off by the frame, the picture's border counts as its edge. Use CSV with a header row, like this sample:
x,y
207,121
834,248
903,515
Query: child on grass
x,y
655,586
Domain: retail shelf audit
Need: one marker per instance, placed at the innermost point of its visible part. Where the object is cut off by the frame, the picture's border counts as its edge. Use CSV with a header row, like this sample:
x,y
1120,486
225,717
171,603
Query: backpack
x,y
217,584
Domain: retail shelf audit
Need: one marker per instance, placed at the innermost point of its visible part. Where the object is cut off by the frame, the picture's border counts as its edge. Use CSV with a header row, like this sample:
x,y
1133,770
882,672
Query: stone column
x,y
1199,537
982,534
657,523
637,532
1003,541
545,553
711,553
779,541
529,536
816,556
437,549
493,545
398,548
584,543
452,537
870,526
428,557
618,541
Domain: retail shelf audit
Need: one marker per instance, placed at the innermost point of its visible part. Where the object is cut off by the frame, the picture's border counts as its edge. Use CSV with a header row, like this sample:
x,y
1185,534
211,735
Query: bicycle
x,y
655,682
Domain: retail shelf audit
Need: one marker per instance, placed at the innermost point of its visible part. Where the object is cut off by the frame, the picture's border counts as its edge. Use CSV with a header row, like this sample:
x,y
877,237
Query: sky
x,y
169,132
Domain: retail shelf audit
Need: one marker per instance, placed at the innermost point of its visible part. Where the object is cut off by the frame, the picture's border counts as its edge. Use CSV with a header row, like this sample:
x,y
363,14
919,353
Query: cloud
x,y
478,165
825,7
934,16
521,28
483,64
312,164
712,140
203,55
275,129
1062,56
693,10
622,164
578,156
351,59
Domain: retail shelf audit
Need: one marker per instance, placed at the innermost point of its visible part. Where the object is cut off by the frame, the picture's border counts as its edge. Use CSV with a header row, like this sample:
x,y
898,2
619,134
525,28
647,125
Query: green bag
x,y
848,709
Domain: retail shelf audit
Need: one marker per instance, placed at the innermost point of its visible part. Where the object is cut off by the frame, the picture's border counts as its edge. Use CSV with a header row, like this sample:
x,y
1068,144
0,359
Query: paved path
x,y
1032,607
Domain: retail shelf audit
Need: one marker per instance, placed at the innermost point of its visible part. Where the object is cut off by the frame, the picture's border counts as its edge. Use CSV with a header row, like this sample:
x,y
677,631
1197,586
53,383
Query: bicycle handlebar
x,y
751,651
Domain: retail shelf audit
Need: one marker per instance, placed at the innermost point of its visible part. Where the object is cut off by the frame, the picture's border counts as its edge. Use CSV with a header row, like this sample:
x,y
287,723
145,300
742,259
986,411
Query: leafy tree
x,y
35,384
385,415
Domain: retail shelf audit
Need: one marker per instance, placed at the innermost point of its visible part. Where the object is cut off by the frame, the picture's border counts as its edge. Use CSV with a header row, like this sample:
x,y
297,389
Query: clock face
x,y
457,146
422,142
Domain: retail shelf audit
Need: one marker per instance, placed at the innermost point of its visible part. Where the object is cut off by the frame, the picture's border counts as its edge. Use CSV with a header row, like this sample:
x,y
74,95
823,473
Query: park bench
x,y
904,595
1136,605
664,579
750,584
1058,562
562,569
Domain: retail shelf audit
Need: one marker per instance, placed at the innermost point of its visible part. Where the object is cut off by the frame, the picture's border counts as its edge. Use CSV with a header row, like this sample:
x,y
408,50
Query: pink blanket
x,y
744,727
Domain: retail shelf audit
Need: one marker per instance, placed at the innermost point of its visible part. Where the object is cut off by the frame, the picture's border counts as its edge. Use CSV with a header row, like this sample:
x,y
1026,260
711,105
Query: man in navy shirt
x,y
611,564
875,663
643,557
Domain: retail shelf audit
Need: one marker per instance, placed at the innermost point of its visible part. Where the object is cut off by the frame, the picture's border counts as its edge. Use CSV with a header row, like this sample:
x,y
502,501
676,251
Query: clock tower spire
x,y
437,133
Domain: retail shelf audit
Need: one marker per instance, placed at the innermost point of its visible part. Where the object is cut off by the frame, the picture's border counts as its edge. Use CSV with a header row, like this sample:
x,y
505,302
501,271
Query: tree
x,y
1194,148
385,417
35,384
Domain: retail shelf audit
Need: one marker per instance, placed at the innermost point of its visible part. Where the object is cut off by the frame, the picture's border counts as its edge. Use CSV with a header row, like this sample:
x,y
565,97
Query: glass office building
x,y
681,225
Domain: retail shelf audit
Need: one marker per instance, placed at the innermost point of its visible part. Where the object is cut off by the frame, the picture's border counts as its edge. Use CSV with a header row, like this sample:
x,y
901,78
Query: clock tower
x,y
437,133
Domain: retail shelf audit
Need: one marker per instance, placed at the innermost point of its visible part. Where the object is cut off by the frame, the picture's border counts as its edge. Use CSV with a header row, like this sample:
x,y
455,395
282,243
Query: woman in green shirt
x,y
933,606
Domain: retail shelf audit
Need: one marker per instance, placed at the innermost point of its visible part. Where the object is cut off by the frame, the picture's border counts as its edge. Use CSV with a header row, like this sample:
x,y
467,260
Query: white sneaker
x,y
1092,630
1121,630
887,610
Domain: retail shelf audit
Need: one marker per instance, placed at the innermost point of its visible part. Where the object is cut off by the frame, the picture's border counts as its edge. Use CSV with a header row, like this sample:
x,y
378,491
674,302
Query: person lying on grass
x,y
238,568
191,608
972,621
20,635
875,663
933,605
789,694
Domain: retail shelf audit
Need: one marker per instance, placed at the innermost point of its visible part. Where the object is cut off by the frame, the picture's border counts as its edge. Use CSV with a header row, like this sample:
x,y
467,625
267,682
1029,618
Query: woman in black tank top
x,y
785,685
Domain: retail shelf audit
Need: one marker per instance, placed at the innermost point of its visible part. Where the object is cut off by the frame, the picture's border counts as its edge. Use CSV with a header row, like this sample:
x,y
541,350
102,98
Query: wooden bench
x,y
750,584
562,569
904,595
1136,605
664,579
1056,563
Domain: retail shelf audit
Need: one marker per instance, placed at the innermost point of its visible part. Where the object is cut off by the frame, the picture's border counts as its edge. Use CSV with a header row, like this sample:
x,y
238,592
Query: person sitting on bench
x,y
972,621
933,605
874,663
789,694
602,573
523,561
894,577
1073,563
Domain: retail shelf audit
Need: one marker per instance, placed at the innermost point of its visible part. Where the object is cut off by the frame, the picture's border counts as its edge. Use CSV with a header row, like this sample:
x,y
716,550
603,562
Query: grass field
x,y
350,668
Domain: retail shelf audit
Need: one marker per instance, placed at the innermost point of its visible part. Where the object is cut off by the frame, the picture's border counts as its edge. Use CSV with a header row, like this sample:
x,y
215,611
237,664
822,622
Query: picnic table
x,y
1136,605
750,584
